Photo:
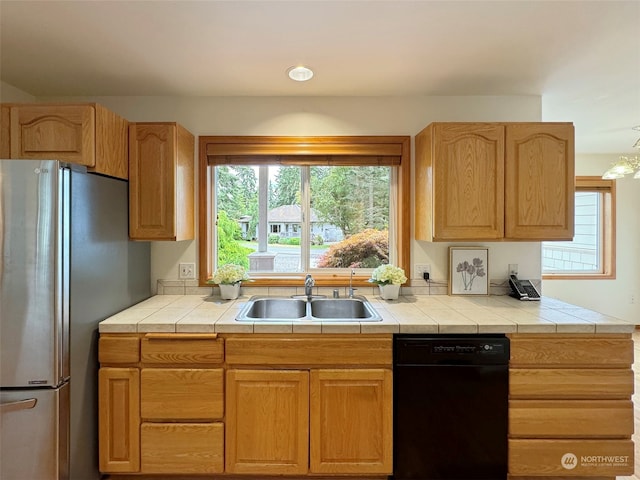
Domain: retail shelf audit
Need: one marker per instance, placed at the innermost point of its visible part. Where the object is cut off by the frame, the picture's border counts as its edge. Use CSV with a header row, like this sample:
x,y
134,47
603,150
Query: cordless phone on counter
x,y
523,289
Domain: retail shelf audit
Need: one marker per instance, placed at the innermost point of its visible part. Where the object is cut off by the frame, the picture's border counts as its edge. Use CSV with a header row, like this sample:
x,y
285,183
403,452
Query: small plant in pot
x,y
389,278
229,277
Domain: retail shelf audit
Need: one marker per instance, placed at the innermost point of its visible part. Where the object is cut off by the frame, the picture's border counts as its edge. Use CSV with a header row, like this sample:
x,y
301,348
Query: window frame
x,y
608,233
317,150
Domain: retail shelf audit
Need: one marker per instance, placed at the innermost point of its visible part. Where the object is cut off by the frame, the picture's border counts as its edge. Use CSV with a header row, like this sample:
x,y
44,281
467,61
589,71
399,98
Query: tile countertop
x,y
409,314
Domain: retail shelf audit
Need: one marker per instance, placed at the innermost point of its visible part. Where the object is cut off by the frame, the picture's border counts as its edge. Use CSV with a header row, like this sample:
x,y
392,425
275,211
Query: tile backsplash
x,y
190,287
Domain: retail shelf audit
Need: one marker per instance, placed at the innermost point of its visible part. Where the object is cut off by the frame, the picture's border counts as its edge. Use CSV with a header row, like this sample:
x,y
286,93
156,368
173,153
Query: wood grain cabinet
x,y
297,417
161,404
570,409
495,181
351,421
119,404
161,182
267,423
181,404
84,134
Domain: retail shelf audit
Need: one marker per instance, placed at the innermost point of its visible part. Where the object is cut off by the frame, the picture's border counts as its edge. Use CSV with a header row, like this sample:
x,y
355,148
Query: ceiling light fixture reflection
x,y
300,73
625,165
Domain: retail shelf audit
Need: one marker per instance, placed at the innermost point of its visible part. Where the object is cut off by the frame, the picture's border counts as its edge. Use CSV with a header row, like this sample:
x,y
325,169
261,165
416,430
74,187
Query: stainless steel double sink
x,y
296,309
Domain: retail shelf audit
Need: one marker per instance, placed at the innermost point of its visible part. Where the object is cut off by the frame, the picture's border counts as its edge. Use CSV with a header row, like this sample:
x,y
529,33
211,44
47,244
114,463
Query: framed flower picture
x,y
468,271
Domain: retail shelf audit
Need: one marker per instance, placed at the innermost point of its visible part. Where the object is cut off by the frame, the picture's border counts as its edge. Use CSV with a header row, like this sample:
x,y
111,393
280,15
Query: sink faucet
x,y
351,289
308,286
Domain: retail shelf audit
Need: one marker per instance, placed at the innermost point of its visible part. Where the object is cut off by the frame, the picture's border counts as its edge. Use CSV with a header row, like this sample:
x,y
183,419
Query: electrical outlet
x,y
513,269
187,270
419,270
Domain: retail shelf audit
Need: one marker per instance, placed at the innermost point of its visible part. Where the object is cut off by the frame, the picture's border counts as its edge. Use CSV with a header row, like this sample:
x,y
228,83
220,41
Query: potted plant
x,y
229,277
389,278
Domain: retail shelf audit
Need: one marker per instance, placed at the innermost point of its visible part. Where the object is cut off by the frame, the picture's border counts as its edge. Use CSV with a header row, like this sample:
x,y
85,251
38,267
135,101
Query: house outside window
x,y
591,253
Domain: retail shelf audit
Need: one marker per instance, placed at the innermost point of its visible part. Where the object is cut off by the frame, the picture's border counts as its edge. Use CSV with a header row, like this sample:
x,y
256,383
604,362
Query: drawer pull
x,y
181,336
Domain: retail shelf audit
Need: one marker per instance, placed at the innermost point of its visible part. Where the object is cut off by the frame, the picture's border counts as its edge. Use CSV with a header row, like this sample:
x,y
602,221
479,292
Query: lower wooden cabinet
x,y
181,394
182,448
570,458
267,422
570,418
351,421
325,421
266,405
570,408
119,419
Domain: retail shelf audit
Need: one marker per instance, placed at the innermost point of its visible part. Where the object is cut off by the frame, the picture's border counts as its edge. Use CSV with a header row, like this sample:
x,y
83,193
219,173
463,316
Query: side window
x,y
591,254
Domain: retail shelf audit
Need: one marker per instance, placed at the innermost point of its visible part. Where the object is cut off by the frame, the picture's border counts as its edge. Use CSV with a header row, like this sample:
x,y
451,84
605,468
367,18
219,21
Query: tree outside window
x,y
317,217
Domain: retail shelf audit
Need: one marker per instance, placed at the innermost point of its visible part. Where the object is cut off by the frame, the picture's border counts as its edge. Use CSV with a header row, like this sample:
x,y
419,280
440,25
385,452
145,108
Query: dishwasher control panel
x,y
462,348
456,349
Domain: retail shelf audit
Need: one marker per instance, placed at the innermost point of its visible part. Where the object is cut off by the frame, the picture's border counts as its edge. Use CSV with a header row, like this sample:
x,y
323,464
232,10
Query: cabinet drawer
x,y
259,350
570,418
571,458
570,383
178,348
181,393
119,349
182,448
605,351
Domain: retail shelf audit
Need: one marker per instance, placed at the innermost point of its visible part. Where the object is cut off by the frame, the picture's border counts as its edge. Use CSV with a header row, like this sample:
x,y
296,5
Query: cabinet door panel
x,y
152,158
63,132
468,171
182,448
540,181
119,419
351,421
267,422
161,182
181,393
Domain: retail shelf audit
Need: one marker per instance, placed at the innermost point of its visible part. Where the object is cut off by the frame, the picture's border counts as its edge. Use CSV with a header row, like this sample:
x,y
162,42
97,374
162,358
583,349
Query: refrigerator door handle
x,y
19,405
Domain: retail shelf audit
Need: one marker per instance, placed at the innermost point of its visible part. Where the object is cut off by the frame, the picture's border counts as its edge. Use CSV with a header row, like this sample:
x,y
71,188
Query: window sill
x,y
567,276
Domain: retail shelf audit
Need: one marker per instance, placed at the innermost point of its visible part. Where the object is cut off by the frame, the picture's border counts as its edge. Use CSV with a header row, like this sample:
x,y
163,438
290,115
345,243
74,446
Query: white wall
x,y
390,116
9,93
330,116
611,297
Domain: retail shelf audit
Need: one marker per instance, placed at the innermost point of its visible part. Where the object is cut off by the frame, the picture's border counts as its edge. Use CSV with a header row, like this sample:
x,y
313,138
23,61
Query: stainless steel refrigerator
x,y
67,264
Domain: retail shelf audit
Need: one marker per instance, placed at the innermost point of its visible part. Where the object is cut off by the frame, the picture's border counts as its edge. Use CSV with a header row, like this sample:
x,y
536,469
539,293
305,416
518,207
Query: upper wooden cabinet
x,y
161,170
495,181
85,134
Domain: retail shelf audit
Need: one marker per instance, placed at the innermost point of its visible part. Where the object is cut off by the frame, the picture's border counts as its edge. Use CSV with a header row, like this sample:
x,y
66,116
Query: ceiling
x,y
582,57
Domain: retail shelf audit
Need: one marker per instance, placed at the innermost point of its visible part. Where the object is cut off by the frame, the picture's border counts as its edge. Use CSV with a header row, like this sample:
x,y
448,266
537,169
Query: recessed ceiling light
x,y
300,73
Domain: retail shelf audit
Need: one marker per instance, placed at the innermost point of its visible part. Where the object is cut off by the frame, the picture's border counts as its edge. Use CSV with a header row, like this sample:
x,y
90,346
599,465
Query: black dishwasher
x,y
450,404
